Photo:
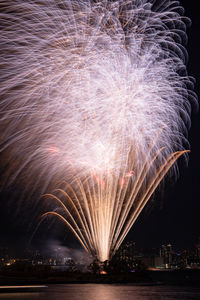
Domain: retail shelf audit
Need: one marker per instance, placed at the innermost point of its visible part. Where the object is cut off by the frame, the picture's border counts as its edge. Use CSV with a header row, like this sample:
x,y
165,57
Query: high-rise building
x,y
166,253
126,252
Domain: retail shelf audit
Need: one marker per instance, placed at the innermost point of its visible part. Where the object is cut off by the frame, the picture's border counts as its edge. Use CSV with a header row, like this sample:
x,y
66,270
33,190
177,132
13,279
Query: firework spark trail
x,y
106,226
92,91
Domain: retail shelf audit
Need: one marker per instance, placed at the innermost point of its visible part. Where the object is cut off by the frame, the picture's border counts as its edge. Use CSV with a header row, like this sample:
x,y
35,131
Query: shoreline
x,y
146,278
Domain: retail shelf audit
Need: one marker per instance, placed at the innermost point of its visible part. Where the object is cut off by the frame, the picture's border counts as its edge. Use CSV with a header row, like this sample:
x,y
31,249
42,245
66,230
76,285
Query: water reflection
x,y
20,296
107,292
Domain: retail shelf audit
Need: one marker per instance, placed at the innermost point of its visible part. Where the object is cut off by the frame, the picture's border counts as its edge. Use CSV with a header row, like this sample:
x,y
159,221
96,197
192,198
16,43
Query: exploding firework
x,y
97,93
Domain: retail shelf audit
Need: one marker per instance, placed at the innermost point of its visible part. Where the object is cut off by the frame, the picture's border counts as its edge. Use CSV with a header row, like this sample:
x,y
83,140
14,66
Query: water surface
x,y
106,292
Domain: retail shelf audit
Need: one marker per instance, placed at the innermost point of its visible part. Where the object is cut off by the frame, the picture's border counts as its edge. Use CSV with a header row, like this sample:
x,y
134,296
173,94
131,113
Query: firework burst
x,y
94,91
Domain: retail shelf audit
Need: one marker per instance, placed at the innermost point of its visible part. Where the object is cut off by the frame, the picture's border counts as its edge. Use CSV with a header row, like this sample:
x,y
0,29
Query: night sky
x,y
172,216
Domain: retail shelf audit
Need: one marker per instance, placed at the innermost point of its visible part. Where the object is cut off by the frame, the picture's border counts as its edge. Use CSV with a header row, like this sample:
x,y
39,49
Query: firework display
x,y
94,93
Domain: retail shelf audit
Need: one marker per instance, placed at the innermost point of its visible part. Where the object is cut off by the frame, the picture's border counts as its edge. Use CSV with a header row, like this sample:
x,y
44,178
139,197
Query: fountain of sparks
x,y
100,210
95,93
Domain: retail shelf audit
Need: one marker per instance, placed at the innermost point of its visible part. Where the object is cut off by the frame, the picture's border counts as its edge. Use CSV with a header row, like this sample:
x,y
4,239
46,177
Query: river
x,y
106,292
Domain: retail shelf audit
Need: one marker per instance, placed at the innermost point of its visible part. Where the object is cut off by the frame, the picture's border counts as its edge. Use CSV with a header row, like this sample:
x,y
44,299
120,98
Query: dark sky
x,y
173,215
